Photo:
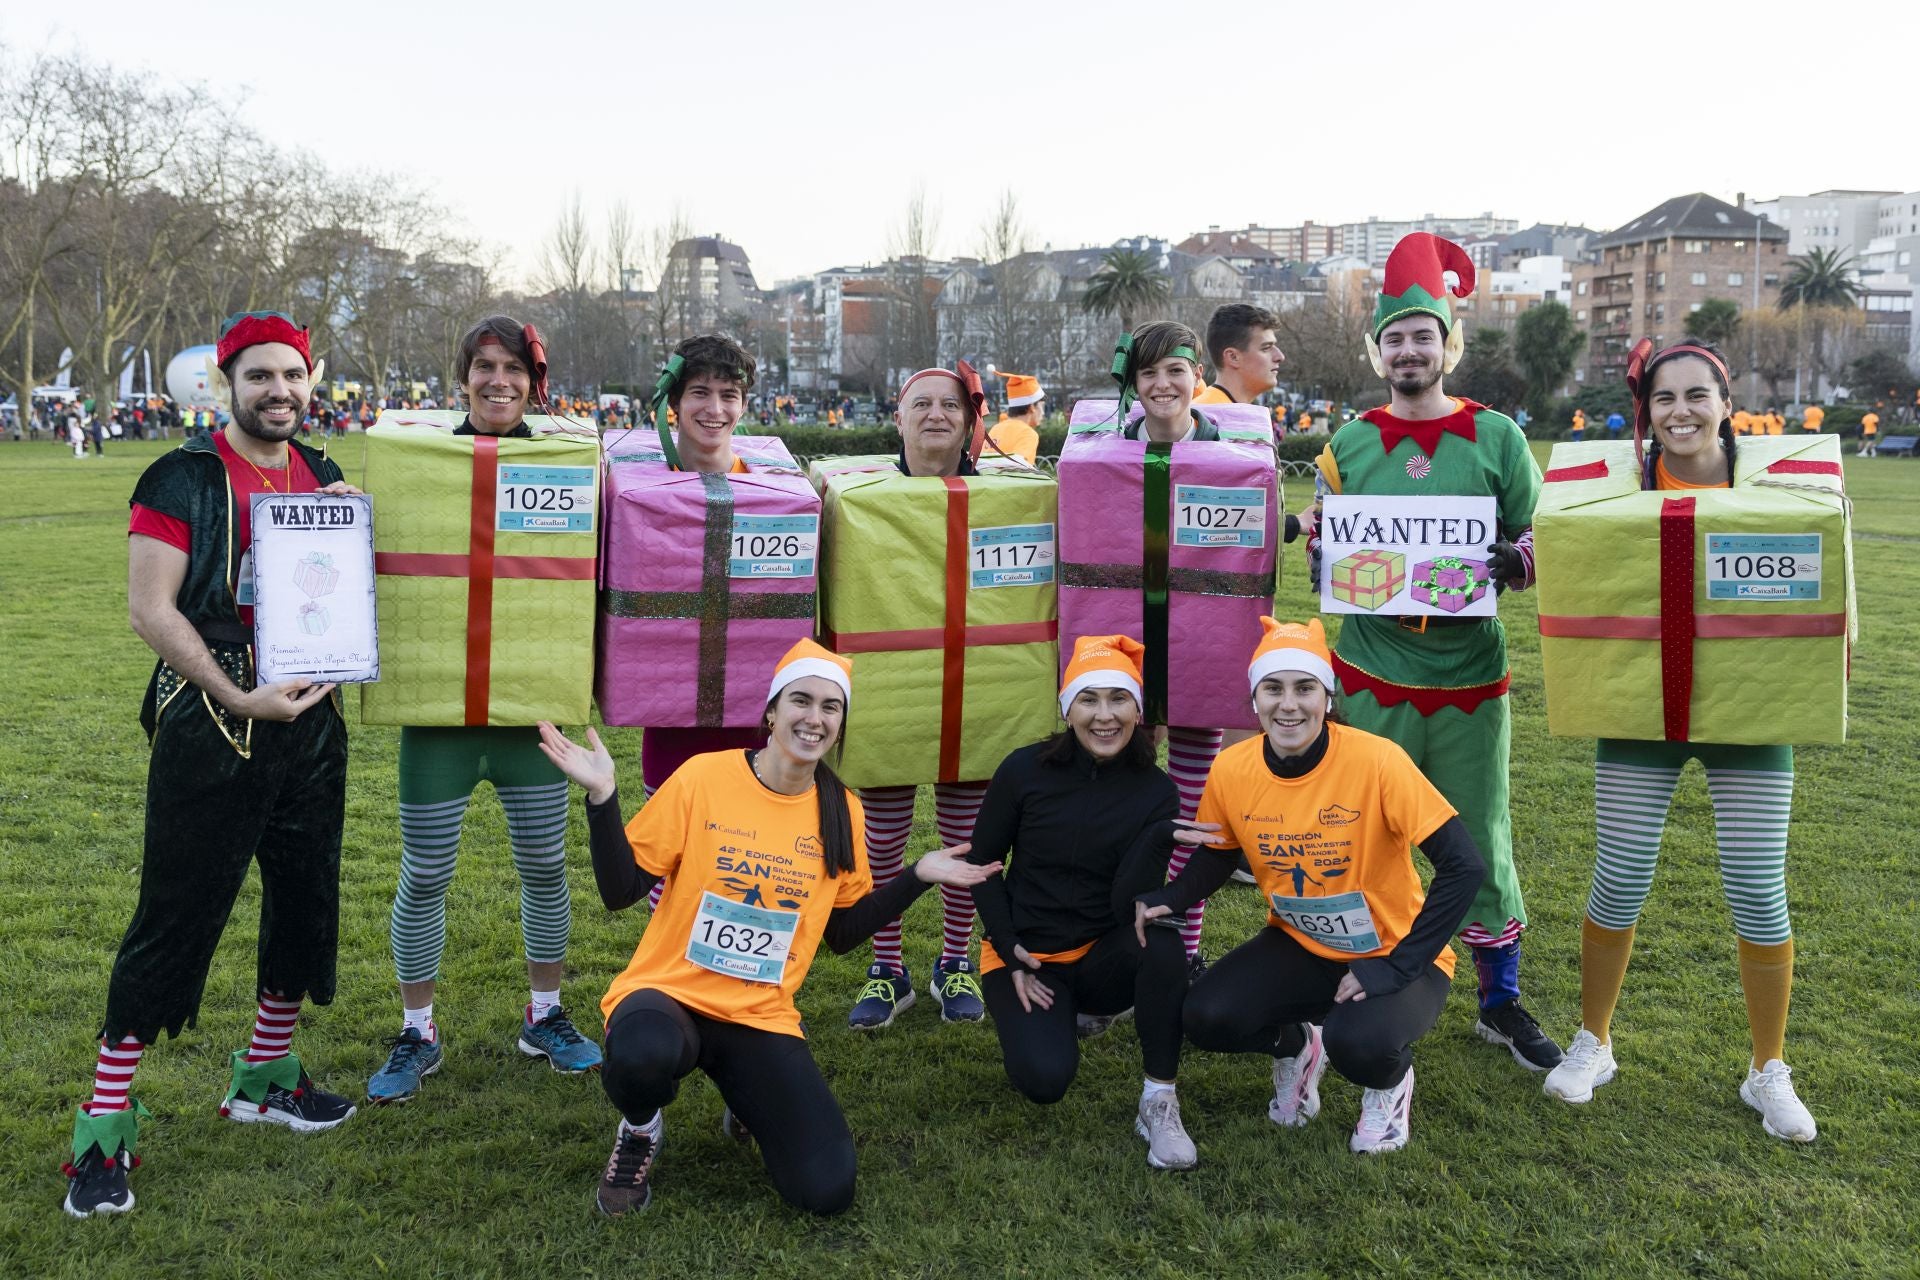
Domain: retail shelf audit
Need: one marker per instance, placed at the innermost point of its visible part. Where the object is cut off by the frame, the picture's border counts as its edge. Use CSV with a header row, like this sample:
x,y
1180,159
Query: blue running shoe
x,y
957,991
554,1038
888,993
412,1059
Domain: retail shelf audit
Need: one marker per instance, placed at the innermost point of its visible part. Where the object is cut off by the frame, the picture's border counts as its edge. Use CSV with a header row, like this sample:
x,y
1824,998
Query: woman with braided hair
x,y
1681,396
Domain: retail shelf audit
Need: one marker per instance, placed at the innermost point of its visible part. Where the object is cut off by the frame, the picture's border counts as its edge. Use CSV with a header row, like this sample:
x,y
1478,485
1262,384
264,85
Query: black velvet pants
x,y
210,814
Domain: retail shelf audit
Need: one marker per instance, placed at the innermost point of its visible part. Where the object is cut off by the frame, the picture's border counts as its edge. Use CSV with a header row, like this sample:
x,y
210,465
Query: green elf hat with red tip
x,y
1416,281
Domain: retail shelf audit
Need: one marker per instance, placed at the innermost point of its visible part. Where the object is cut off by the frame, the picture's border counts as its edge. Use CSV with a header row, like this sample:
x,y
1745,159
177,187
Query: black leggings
x,y
769,1080
1041,1048
1256,997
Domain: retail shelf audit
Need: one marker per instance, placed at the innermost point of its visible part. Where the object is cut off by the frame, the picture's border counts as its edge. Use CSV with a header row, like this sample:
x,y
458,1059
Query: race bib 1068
x,y
750,943
1011,555
1763,566
774,546
1209,517
1341,921
544,500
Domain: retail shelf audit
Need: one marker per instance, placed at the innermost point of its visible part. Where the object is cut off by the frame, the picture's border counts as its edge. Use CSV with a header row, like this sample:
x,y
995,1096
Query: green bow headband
x,y
662,389
1122,369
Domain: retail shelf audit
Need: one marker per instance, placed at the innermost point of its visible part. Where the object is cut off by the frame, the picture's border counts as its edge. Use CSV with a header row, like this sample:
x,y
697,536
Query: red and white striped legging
x,y
889,820
1190,754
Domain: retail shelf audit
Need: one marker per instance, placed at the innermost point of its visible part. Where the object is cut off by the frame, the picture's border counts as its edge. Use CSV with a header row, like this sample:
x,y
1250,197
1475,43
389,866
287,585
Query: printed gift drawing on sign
x,y
313,587
1407,555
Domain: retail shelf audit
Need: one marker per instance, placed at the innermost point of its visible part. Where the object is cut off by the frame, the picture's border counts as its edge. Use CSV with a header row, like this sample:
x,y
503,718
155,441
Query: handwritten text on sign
x,y
313,612
1412,555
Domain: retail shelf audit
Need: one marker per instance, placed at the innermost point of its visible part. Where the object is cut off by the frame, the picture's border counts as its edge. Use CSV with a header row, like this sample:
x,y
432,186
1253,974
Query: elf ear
x,y
1456,346
218,387
319,373
1373,358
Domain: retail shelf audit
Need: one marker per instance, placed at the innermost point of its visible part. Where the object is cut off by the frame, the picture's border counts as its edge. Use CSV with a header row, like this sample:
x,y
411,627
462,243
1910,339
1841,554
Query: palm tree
x,y
1127,280
1820,279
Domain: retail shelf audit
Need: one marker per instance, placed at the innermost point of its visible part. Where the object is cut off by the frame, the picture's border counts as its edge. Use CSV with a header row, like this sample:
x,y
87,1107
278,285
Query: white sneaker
x,y
1296,1083
1770,1092
1588,1065
1384,1119
1168,1146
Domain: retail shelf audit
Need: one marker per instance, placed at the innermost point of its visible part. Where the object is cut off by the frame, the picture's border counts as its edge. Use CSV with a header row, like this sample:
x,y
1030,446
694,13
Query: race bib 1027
x,y
1208,517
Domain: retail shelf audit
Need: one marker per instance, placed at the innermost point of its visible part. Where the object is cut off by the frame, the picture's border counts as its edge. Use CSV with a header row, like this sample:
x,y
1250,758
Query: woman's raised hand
x,y
1187,832
950,866
591,766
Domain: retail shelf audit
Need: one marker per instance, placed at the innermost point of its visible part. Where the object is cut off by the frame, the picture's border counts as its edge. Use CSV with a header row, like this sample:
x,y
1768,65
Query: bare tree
x,y
912,328
1014,314
620,251
1326,340
1772,341
670,312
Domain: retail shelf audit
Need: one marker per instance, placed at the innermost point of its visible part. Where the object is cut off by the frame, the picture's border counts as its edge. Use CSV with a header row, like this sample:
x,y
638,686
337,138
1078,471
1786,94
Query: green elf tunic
x,y
1440,691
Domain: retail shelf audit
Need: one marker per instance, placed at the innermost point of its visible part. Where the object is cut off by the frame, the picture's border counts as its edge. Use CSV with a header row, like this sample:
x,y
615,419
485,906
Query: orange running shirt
x,y
747,895
1332,851
1213,395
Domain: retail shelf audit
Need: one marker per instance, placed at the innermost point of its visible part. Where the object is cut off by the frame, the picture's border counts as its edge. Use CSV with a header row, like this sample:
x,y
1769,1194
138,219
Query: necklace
x,y
264,478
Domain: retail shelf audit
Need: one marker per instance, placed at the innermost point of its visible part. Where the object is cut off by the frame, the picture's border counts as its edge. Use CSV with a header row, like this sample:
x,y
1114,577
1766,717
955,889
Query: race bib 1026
x,y
774,546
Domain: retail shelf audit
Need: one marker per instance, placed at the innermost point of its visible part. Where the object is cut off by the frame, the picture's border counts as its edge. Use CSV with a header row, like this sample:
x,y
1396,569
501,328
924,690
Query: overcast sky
x,y
799,130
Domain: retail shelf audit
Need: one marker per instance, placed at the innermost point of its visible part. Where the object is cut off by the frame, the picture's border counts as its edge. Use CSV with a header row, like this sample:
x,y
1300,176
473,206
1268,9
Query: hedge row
x,y
821,442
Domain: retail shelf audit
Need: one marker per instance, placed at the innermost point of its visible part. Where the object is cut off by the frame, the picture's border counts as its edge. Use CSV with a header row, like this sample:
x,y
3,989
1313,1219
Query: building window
x,y
1661,283
1649,311
1692,307
1581,288
1659,311
1579,315
1699,277
1695,246
1738,245
1736,277
1770,280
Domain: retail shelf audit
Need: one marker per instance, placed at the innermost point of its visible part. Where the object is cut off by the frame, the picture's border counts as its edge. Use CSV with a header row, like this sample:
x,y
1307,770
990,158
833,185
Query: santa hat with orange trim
x,y
1290,646
1022,388
809,659
1103,662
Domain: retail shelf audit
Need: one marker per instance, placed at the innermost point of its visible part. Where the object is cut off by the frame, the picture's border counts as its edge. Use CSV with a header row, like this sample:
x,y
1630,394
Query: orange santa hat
x,y
1103,662
1022,388
1291,646
808,659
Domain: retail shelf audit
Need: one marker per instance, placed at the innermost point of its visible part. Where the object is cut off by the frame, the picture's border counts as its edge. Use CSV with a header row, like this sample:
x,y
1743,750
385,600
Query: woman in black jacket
x,y
1089,821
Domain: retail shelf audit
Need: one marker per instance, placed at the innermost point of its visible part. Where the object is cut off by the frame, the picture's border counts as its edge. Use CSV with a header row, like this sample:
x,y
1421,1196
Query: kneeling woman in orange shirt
x,y
1327,816
763,859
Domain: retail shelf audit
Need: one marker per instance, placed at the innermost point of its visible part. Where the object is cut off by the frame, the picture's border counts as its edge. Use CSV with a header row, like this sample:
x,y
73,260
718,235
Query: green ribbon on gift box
x,y
1157,494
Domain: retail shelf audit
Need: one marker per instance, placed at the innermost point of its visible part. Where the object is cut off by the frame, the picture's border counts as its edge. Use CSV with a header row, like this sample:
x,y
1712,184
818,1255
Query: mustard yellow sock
x,y
1766,976
1603,970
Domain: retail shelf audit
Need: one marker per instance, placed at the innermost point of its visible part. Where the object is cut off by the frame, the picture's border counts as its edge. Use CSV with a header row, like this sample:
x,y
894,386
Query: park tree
x,y
1326,340
1820,278
1716,321
1770,340
1128,281
1546,342
1013,316
1488,372
1881,373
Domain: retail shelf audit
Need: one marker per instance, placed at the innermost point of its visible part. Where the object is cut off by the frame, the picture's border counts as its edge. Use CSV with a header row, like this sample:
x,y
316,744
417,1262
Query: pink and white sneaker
x,y
1384,1119
1296,1083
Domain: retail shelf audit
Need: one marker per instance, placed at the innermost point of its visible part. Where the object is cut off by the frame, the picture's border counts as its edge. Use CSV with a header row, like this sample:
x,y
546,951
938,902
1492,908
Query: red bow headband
x,y
971,391
251,328
1641,389
536,356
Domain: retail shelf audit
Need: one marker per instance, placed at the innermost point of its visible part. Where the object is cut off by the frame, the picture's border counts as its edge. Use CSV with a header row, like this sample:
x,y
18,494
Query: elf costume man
x,y
1438,686
239,772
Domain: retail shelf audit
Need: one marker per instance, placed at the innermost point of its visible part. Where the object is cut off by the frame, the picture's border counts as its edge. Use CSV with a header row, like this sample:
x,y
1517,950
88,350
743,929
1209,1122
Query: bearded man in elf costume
x,y
240,772
1438,685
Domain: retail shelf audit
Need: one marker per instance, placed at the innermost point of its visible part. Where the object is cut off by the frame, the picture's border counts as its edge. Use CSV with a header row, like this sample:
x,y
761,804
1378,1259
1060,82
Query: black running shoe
x,y
1196,967
97,1183
626,1185
303,1109
1511,1025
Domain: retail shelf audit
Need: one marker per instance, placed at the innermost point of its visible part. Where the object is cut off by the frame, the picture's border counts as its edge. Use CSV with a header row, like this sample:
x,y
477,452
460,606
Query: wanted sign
x,y
313,598
1408,555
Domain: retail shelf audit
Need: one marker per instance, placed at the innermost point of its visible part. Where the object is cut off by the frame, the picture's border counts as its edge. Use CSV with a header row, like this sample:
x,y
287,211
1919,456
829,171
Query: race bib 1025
x,y
532,499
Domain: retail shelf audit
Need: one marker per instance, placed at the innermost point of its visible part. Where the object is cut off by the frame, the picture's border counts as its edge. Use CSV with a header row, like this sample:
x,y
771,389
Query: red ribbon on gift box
x,y
1678,626
480,567
953,637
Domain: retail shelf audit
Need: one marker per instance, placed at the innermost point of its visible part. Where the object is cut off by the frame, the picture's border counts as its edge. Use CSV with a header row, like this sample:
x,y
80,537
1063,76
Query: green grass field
x,y
492,1171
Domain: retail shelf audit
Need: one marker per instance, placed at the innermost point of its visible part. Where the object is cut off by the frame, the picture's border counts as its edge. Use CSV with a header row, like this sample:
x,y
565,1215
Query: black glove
x,y
1507,565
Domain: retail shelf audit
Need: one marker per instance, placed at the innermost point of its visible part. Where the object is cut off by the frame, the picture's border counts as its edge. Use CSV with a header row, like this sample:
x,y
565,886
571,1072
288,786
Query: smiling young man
x,y
237,773
503,370
1438,686
937,416
1245,353
708,399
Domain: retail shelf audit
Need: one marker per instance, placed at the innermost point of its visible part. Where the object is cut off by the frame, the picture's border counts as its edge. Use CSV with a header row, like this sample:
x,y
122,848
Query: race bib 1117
x,y
1012,555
